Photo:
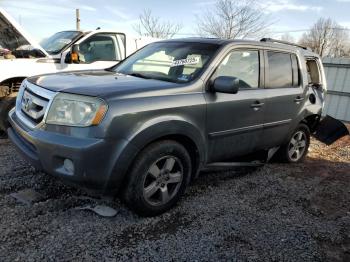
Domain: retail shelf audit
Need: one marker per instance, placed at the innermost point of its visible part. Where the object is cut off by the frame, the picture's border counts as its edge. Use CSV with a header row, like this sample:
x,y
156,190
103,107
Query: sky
x,y
42,18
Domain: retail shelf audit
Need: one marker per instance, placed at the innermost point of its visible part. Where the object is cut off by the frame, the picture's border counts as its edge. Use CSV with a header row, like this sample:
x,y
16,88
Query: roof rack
x,y
271,40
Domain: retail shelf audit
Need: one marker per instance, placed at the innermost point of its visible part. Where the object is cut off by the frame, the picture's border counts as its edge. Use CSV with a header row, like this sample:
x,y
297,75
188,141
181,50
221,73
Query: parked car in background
x,y
147,126
21,56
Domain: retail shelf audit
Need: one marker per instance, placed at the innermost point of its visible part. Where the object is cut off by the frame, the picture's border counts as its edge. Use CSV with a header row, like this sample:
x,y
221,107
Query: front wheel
x,y
295,150
6,104
158,178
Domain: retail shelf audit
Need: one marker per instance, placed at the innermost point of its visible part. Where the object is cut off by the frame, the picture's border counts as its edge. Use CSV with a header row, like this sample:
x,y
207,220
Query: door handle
x,y
257,104
298,99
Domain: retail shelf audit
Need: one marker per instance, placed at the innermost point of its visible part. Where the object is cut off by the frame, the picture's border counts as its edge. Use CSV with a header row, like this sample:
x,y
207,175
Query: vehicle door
x,y
235,121
99,51
284,96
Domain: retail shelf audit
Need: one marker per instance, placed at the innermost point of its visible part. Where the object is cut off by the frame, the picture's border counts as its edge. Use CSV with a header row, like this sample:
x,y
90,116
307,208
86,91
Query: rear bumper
x,y
94,159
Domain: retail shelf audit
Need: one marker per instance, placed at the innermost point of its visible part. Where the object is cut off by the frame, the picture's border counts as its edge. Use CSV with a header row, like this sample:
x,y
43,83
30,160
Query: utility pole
x,y
77,14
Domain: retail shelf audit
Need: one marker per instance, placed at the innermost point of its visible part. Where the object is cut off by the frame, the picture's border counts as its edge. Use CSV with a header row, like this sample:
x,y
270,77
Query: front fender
x,y
26,67
167,126
16,68
153,130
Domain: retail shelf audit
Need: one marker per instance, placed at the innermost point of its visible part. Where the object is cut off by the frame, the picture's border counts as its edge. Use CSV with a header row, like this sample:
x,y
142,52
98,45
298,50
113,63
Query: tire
x,y
4,91
158,178
6,104
295,150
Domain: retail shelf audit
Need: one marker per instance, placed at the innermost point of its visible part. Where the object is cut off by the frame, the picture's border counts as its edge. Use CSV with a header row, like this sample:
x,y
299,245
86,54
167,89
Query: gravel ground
x,y
276,213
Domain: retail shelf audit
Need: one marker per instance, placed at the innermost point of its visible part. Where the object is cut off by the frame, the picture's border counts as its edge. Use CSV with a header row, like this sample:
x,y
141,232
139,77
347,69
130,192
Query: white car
x,y
64,51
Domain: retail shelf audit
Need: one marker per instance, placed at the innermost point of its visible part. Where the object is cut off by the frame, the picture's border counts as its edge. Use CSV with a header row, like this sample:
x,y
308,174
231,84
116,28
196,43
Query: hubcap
x,y
297,146
163,180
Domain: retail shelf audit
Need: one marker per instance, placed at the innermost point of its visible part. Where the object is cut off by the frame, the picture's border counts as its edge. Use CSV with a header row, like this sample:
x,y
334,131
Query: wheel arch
x,y
188,143
11,84
311,121
182,132
13,80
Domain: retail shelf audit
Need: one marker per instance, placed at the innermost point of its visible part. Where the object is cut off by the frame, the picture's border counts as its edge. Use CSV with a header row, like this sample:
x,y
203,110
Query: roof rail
x,y
271,40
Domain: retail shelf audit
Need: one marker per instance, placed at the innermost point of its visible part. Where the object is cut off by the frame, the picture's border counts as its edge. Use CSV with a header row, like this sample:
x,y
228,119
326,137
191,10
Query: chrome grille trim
x,y
40,97
33,106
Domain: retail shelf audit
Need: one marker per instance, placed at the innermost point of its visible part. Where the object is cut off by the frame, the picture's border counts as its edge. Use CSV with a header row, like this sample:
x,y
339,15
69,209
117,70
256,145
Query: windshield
x,y
12,43
169,61
56,43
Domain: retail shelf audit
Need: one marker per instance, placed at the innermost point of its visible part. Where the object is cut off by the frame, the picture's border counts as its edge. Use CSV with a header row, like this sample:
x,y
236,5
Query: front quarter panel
x,y
182,113
143,119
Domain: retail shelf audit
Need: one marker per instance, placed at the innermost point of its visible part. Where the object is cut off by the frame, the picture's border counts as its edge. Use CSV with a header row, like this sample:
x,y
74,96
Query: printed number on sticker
x,y
187,61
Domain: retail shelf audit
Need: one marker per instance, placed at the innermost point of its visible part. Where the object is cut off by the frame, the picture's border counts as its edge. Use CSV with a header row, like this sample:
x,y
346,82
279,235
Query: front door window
x,y
100,47
241,64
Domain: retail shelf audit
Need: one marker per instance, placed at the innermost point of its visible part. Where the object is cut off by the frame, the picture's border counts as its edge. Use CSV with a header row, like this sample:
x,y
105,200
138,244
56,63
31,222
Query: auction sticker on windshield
x,y
187,61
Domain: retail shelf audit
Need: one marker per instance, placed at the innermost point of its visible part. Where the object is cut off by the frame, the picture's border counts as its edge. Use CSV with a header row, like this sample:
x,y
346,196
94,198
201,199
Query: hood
x,y
99,83
9,29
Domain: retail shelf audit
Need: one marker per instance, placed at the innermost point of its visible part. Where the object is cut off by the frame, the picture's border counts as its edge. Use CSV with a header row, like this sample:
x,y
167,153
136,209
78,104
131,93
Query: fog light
x,y
68,166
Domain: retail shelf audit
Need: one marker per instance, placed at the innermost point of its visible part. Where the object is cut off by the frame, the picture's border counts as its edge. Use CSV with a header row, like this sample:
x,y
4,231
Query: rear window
x,y
283,70
313,71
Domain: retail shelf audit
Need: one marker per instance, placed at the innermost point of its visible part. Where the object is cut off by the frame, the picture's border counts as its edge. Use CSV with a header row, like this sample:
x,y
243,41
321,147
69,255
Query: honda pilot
x,y
146,127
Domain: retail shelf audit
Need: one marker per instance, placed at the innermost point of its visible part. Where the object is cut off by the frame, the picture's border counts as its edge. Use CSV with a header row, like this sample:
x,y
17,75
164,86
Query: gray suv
x,y
146,127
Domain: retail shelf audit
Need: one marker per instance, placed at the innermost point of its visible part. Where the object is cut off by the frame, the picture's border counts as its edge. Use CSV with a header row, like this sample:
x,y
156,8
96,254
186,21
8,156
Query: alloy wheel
x,y
297,146
163,180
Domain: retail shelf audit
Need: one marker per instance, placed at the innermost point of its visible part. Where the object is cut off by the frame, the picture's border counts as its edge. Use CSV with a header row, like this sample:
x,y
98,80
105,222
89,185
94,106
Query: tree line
x,y
231,19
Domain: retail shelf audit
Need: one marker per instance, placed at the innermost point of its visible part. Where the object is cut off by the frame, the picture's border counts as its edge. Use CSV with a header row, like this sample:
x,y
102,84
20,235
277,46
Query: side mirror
x,y
74,54
225,84
68,58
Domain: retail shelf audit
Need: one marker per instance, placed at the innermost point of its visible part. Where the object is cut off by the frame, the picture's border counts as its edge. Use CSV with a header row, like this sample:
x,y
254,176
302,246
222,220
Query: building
x,y
337,102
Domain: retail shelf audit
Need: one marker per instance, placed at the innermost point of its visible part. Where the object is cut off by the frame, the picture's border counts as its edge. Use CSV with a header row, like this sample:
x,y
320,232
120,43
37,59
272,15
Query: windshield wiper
x,y
139,75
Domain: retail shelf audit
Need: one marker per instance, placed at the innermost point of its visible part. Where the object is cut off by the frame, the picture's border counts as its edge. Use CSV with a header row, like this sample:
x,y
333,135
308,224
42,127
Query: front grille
x,y
34,106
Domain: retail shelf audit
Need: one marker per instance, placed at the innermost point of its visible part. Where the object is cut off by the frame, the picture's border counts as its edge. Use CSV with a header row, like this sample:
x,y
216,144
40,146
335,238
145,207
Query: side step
x,y
257,163
234,164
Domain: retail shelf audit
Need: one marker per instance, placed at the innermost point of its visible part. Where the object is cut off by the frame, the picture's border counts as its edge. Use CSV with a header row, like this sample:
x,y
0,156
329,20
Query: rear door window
x,y
280,70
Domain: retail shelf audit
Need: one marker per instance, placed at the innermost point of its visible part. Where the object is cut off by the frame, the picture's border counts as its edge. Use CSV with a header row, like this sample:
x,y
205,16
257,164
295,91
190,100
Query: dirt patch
x,y
278,212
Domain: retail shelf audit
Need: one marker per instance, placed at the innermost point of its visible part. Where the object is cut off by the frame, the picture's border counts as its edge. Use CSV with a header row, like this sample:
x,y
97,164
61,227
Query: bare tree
x,y
152,26
327,38
233,19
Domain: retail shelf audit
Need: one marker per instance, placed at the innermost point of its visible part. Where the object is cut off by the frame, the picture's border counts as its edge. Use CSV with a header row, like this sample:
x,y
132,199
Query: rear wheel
x,y
158,178
295,150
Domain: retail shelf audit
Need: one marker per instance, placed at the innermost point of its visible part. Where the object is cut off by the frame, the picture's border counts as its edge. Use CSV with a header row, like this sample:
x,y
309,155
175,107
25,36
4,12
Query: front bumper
x,y
94,159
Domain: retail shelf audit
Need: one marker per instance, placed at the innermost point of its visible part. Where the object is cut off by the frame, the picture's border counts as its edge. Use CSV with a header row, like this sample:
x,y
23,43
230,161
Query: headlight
x,y
76,110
